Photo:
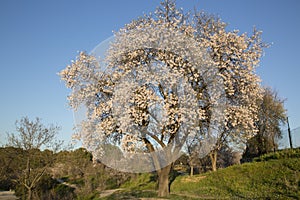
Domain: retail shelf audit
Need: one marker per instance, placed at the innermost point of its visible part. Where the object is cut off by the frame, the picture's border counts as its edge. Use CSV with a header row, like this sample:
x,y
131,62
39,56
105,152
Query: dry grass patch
x,y
192,179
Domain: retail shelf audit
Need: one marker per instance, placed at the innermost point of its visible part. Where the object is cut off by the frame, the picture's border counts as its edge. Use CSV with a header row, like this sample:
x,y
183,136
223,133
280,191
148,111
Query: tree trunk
x,y
192,170
163,181
29,197
213,157
27,176
274,144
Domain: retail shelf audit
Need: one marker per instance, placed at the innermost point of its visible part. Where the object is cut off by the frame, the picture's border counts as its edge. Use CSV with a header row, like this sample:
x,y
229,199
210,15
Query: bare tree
x,y
32,136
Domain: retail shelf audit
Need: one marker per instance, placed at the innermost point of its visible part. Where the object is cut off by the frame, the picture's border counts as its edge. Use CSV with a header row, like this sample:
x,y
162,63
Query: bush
x,y
91,196
48,189
144,181
283,154
64,192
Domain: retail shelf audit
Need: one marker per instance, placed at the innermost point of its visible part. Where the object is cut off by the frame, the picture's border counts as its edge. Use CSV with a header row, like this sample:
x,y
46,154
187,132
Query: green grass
x,y
146,181
274,176
275,179
131,194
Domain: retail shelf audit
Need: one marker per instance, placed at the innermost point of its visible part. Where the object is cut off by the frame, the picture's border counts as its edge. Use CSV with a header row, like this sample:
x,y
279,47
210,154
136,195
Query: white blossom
x,y
167,79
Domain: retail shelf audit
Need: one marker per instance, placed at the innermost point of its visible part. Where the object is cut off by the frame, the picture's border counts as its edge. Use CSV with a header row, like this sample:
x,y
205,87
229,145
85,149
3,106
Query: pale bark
x,y
163,181
29,193
213,157
192,170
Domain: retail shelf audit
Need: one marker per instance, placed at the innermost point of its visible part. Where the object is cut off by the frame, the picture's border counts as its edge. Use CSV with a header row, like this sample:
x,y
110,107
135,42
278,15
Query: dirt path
x,y
7,195
67,184
106,193
193,196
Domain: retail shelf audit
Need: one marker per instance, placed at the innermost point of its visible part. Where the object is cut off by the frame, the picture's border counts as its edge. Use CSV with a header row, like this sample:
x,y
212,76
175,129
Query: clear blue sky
x,y
39,38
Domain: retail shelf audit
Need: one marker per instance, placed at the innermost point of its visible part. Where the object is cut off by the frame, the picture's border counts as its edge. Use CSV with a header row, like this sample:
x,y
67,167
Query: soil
x,y
7,195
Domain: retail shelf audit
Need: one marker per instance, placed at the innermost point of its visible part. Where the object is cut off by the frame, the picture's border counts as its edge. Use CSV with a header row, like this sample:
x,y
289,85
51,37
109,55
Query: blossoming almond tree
x,y
161,86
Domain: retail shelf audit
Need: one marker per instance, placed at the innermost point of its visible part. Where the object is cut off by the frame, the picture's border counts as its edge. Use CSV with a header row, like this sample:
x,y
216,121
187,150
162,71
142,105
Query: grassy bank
x,y
273,176
271,179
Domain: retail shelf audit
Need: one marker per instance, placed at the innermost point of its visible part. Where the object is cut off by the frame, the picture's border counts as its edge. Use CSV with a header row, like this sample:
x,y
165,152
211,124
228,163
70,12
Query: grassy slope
x,y
271,179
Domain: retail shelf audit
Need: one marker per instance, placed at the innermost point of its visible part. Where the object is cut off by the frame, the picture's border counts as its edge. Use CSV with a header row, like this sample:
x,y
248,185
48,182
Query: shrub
x,y
283,154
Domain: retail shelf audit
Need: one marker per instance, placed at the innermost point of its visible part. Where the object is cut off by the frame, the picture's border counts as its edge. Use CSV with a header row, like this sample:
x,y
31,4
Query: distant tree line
x,y
66,174
33,165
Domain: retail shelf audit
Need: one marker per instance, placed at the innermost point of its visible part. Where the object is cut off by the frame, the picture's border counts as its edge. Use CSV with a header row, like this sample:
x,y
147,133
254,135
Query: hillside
x,y
275,176
73,175
271,179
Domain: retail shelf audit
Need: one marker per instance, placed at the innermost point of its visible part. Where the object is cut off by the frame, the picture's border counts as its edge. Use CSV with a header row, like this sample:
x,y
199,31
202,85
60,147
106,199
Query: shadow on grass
x,y
131,194
144,195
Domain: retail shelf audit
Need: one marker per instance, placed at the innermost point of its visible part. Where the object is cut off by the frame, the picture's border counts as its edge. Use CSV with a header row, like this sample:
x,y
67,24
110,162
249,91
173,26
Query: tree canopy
x,y
168,77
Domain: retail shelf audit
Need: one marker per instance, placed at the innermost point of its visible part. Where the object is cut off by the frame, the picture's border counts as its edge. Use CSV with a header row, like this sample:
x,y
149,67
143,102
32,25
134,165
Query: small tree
x,y
236,56
271,116
31,136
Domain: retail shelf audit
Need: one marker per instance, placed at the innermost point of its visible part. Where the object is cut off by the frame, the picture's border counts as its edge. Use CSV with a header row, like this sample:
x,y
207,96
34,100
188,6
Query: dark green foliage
x,y
12,162
111,183
256,146
271,116
76,167
64,191
145,181
131,194
48,189
282,154
275,176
